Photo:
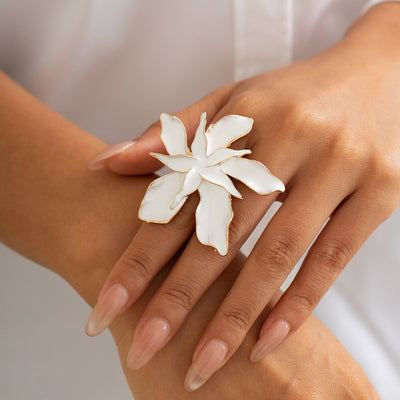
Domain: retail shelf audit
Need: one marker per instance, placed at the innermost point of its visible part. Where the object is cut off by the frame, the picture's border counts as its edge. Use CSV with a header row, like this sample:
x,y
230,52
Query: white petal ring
x,y
205,168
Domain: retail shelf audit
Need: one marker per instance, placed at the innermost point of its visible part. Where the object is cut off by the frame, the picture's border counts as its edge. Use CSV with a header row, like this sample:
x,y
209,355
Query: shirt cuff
x,y
372,3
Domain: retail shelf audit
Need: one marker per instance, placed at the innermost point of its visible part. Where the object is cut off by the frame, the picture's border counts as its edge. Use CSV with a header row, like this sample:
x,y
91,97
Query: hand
x,y
311,364
328,127
56,223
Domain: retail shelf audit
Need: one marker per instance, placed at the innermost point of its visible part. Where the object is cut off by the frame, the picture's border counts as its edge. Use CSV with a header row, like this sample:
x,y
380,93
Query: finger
x,y
195,271
197,268
132,158
150,250
123,286
341,238
285,239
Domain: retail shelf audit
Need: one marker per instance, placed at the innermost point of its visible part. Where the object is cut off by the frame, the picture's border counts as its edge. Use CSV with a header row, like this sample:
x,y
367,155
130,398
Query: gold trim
x,y
189,154
184,129
234,140
227,228
141,203
213,165
259,162
223,187
203,132
176,194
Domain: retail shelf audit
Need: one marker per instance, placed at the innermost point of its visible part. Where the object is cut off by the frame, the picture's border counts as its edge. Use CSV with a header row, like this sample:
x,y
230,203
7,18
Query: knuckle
x,y
334,258
309,116
344,148
277,256
385,170
240,102
382,184
136,264
179,294
239,318
306,301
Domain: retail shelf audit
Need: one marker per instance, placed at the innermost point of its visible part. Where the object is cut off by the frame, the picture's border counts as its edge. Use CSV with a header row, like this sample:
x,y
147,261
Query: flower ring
x,y
206,169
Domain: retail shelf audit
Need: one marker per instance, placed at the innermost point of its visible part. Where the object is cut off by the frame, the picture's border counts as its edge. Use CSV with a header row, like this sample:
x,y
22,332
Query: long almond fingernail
x,y
109,306
99,161
208,361
270,339
150,339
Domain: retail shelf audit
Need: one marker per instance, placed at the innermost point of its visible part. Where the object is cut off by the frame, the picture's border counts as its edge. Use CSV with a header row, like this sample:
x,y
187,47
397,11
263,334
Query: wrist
x,y
106,224
375,36
56,211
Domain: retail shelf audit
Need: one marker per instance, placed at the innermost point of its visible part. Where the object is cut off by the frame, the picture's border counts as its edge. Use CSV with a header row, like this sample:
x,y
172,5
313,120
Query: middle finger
x,y
197,268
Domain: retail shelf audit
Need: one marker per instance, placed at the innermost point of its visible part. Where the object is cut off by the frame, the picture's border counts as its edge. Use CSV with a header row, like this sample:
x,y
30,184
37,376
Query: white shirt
x,y
113,66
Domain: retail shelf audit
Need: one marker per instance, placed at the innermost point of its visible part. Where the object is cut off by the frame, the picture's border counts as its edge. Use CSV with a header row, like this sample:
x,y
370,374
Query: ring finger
x,y
285,239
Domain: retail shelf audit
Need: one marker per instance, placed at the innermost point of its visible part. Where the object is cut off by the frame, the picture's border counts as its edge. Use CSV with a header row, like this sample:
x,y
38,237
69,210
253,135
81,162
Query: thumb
x,y
132,158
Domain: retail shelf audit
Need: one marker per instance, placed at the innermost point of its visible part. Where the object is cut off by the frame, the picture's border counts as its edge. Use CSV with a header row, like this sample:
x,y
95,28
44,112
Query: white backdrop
x,y
44,352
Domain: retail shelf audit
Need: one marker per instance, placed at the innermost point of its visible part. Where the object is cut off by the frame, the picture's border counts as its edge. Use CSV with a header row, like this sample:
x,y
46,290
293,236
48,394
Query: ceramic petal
x,y
213,216
173,135
221,155
205,168
216,176
226,131
199,144
176,163
191,183
254,174
155,206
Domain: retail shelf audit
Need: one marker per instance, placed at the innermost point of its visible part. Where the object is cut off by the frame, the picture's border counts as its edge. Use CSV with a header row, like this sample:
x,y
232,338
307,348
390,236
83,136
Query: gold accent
x,y
227,227
184,129
234,140
141,203
189,154
259,162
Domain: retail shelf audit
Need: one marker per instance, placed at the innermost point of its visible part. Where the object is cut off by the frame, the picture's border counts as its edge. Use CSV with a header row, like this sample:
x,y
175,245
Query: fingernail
x,y
109,306
150,339
270,339
99,161
209,360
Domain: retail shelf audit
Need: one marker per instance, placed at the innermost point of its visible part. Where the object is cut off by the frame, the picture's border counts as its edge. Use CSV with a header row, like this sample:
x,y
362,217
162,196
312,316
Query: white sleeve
x,y
372,3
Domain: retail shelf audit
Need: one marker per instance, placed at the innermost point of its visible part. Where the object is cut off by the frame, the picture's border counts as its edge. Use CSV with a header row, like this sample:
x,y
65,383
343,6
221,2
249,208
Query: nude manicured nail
x,y
108,307
270,339
209,360
99,161
150,339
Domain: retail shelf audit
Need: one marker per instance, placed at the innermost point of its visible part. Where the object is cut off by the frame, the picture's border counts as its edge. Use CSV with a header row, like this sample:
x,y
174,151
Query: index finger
x,y
149,251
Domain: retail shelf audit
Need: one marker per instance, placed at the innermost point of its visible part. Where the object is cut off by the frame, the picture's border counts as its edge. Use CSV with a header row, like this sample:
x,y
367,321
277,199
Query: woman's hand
x,y
311,364
329,128
57,225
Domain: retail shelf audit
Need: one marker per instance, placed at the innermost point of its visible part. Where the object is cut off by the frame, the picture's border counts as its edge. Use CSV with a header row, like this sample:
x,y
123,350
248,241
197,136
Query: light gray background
x,y
44,352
